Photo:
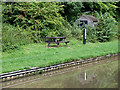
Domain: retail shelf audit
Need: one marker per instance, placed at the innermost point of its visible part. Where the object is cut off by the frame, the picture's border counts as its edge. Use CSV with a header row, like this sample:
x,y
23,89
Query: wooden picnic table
x,y
56,40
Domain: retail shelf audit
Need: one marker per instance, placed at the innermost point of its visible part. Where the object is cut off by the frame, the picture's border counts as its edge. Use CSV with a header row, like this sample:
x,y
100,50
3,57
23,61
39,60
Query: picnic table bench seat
x,y
57,42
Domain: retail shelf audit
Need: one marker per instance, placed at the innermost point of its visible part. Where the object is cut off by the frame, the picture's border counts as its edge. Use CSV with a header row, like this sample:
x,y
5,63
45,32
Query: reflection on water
x,y
103,75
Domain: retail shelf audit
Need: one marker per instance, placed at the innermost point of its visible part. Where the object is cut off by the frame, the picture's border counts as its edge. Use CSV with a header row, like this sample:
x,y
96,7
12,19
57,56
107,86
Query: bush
x,y
104,31
13,37
91,34
76,32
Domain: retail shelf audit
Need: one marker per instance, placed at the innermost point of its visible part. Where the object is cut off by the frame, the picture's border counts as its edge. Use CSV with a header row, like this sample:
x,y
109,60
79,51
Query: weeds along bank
x,y
36,55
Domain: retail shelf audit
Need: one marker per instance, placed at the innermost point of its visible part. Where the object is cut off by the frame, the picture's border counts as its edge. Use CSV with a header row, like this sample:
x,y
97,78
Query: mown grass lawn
x,y
37,55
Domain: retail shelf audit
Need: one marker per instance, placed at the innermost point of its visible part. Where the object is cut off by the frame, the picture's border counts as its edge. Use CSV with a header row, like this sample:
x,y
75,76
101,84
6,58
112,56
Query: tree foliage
x,y
41,18
71,10
92,7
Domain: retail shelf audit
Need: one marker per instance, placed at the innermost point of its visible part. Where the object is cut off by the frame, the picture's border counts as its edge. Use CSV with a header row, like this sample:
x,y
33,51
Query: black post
x,y
84,36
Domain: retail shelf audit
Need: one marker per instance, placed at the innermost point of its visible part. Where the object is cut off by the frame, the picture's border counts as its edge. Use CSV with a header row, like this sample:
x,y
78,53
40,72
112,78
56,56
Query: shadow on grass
x,y
55,46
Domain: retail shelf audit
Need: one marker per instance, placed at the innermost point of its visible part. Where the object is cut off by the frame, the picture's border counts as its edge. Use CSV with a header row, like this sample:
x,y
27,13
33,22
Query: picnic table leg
x,y
48,44
66,43
57,44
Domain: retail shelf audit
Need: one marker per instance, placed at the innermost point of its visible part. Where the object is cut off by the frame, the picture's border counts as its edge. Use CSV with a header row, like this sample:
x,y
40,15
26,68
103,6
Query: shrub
x,y
91,34
76,32
13,37
104,31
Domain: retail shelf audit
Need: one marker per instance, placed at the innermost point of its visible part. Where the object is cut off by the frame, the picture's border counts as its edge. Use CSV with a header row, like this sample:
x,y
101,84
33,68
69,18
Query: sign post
x,y
84,36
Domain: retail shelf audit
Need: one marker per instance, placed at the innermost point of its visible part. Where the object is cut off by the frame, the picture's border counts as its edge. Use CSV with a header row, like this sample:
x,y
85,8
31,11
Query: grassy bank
x,y
37,55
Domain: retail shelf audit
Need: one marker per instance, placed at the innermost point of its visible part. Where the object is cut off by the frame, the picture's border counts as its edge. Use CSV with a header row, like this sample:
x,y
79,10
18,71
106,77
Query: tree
x,y
71,10
41,18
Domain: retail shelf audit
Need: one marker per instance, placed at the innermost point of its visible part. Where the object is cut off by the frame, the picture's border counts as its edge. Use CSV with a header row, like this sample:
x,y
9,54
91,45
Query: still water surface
x,y
103,74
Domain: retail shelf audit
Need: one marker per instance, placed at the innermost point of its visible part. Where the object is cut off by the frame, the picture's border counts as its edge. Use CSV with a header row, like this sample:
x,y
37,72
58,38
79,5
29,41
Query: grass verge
x,y
37,55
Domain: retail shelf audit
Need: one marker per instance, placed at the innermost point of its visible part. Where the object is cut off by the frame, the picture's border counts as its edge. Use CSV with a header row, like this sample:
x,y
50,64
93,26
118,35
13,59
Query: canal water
x,y
102,74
